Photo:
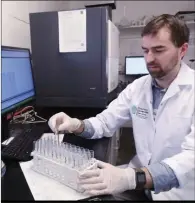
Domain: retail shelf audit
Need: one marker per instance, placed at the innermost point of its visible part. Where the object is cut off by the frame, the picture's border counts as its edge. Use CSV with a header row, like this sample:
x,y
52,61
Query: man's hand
x,y
107,179
63,122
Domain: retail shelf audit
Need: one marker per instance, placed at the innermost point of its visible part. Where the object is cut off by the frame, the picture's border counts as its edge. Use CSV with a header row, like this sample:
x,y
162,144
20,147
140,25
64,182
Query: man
x,y
161,107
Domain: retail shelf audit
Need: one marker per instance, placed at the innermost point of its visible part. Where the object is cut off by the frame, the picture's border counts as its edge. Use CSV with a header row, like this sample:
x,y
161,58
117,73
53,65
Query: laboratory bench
x,y
14,186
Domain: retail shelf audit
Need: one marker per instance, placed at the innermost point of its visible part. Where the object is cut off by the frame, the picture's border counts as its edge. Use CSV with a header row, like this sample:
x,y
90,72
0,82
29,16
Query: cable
x,y
25,108
27,117
41,121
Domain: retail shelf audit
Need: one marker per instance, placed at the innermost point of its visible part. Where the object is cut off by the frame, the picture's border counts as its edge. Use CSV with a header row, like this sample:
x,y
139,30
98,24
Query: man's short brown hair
x,y
179,30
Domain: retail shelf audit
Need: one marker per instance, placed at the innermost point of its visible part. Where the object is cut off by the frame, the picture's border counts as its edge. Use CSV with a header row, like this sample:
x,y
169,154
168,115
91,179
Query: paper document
x,y
72,31
44,188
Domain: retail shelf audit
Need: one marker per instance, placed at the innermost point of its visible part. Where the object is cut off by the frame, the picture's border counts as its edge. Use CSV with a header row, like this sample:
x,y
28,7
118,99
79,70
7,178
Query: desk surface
x,y
14,185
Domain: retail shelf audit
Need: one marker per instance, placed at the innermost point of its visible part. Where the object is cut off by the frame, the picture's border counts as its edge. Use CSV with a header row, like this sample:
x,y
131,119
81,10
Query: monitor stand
x,y
4,128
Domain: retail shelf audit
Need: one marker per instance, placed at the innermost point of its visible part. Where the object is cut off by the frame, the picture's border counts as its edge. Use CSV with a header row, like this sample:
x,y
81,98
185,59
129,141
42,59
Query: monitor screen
x,y
16,77
135,65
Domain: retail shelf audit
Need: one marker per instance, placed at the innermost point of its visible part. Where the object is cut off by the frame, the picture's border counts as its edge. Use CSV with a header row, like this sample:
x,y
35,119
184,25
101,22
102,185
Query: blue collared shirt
x,y
163,176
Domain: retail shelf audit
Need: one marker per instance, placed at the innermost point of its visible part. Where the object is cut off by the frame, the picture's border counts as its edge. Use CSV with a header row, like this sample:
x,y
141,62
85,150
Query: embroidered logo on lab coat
x,y
134,109
140,112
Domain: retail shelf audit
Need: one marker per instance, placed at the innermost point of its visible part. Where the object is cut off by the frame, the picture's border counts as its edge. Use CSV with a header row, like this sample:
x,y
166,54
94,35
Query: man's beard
x,y
158,72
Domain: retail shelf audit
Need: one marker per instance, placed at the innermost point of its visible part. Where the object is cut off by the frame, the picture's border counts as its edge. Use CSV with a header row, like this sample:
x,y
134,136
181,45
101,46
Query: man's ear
x,y
183,50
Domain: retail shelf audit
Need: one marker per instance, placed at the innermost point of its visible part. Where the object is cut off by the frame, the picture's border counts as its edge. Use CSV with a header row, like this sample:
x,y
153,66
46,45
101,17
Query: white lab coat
x,y
170,138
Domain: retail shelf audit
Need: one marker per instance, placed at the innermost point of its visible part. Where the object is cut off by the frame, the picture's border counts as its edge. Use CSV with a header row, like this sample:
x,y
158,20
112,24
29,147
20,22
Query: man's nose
x,y
150,58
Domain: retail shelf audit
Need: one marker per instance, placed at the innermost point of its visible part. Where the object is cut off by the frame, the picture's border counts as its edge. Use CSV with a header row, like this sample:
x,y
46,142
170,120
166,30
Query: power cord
x,y
27,117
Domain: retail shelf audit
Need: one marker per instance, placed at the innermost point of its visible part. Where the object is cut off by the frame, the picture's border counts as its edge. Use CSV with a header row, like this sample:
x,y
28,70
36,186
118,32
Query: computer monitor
x,y
17,79
135,65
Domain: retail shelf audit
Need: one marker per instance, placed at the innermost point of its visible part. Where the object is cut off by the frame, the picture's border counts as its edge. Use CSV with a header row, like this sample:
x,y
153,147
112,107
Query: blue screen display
x,y
135,66
16,76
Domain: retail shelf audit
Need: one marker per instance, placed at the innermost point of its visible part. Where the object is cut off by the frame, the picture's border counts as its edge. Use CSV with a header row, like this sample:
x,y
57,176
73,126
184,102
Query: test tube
x,y
78,160
52,147
79,150
88,154
44,146
53,143
71,160
34,146
54,154
61,154
69,147
37,143
81,160
84,154
58,152
49,145
40,147
92,153
65,154
74,149
67,157
64,143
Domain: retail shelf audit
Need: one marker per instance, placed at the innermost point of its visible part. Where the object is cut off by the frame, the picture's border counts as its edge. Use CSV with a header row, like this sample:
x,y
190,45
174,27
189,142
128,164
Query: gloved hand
x,y
107,179
62,122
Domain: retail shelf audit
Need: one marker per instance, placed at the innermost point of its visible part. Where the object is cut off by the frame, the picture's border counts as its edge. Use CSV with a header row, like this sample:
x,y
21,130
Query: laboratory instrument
x,y
61,161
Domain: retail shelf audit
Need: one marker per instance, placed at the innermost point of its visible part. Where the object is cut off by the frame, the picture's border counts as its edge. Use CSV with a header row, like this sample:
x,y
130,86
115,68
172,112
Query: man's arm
x,y
86,130
107,122
174,171
160,177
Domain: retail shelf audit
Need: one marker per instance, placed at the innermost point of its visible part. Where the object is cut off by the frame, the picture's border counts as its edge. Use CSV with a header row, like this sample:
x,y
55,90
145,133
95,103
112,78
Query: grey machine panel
x,y
69,79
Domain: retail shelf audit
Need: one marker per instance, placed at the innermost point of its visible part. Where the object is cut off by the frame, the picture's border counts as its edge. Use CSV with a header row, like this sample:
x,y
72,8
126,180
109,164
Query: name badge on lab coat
x,y
140,112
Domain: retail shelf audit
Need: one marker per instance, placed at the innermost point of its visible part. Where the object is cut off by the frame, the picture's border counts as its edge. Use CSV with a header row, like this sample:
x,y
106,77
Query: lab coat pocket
x,y
178,129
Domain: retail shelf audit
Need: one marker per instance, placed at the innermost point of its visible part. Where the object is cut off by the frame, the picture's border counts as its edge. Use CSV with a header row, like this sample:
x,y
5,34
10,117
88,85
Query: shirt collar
x,y
184,77
155,85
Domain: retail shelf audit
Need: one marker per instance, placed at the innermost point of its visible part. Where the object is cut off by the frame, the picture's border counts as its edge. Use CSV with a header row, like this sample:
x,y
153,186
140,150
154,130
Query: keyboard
x,y
21,146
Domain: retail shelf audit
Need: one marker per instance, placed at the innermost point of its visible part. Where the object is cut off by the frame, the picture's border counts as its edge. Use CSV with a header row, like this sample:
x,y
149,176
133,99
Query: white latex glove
x,y
107,179
62,122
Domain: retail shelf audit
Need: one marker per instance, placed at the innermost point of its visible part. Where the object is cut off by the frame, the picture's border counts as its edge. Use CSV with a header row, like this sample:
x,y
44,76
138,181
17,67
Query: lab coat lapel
x,y
148,91
175,87
148,95
172,90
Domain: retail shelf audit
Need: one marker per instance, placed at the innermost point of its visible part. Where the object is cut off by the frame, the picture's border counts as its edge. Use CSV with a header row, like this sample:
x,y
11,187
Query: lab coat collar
x,y
155,85
184,77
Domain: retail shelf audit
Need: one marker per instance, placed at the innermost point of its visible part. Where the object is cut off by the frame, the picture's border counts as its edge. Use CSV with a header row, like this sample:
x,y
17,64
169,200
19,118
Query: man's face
x,y
160,54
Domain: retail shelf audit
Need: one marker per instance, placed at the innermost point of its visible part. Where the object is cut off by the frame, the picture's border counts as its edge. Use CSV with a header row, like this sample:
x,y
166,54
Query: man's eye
x,y
145,51
158,51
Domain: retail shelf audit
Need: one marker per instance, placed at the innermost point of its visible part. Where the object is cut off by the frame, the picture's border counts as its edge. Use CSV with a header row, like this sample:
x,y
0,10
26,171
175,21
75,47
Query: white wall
x,y
137,9
130,40
16,32
82,4
76,4
15,19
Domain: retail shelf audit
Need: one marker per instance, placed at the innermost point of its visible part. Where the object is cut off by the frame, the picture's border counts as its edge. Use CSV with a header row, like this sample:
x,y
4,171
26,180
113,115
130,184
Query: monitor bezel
x,y
126,65
25,101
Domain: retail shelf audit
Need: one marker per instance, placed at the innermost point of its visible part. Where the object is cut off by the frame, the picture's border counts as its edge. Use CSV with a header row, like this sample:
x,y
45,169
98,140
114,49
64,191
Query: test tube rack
x,y
62,161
